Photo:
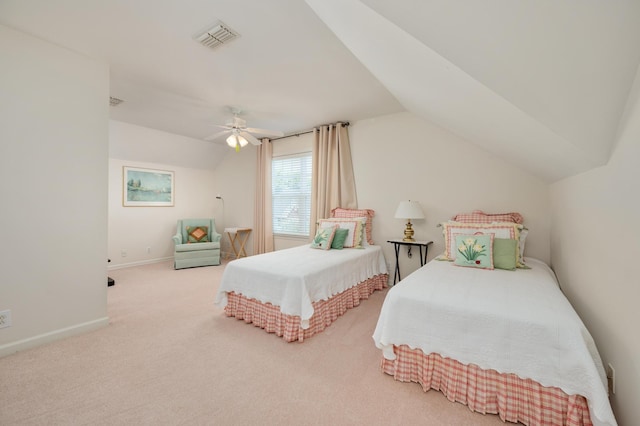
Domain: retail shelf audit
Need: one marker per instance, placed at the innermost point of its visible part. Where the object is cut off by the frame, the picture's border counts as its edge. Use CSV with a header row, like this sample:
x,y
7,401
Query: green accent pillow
x,y
324,237
475,251
197,234
505,253
339,238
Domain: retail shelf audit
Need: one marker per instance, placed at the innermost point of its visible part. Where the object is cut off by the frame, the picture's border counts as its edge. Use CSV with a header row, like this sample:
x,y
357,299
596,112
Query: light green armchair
x,y
189,252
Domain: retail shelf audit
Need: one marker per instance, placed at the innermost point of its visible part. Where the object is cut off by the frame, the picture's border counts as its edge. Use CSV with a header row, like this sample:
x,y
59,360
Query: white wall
x,y
139,235
138,143
235,181
53,180
594,251
401,157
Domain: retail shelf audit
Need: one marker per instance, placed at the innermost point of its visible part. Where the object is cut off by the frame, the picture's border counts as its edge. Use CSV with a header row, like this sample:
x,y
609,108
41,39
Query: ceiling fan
x,y
239,134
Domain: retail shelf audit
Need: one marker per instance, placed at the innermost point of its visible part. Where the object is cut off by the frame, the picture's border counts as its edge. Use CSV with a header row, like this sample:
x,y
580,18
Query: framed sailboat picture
x,y
147,187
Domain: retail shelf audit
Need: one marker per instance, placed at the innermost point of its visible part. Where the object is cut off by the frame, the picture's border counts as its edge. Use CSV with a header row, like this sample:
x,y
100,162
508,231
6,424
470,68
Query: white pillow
x,y
354,225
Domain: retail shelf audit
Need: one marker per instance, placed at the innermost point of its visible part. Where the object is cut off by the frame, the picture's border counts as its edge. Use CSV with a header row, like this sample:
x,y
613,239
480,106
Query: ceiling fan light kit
x,y
236,141
239,135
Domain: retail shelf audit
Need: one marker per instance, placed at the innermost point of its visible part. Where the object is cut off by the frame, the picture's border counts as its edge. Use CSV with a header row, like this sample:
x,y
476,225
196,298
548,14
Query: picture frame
x,y
143,187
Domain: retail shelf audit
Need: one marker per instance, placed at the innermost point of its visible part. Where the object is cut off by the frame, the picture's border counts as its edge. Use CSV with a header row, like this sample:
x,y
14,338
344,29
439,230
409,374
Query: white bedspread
x,y
294,278
510,321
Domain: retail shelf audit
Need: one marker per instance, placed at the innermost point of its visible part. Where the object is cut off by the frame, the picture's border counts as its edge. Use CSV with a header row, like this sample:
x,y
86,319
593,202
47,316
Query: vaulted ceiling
x,y
541,83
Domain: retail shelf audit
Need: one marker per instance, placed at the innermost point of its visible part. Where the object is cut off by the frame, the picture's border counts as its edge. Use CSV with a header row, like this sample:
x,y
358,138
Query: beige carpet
x,y
170,357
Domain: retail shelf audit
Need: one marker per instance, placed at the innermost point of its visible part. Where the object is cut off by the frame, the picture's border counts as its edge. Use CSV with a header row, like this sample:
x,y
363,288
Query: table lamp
x,y
409,210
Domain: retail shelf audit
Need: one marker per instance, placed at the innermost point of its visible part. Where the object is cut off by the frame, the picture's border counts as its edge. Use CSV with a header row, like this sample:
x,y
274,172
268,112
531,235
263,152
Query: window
x,y
291,194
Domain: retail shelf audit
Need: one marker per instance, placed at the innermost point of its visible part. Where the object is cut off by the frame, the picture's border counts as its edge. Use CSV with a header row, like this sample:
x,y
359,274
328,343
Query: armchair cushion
x,y
197,243
197,247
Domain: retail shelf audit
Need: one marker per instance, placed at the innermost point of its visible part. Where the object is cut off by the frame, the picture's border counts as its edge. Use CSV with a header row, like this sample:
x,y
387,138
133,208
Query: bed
x,y
505,342
298,292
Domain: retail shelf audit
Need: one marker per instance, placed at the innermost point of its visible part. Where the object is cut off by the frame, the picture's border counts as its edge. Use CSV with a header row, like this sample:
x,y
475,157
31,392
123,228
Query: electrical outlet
x,y
611,378
148,250
123,253
5,318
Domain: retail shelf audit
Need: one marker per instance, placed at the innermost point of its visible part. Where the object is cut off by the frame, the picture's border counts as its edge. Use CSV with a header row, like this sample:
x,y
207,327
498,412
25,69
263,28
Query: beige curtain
x,y
262,214
333,183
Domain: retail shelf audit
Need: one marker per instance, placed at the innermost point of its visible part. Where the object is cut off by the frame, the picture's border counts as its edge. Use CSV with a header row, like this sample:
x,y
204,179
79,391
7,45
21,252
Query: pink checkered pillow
x,y
339,212
478,216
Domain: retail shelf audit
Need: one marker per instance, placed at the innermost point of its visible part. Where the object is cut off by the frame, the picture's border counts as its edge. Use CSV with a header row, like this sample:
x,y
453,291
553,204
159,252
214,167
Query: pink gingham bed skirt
x,y
487,391
269,317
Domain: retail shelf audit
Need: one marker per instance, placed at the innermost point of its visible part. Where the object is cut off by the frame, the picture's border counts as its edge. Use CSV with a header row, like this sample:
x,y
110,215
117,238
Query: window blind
x,y
291,194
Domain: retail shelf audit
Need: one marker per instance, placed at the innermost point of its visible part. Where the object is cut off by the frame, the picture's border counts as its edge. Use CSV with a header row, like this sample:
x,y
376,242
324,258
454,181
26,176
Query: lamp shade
x,y
409,210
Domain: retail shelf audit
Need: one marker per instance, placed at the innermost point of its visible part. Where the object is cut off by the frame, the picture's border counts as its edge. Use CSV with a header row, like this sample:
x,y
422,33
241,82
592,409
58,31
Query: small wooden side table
x,y
398,243
240,236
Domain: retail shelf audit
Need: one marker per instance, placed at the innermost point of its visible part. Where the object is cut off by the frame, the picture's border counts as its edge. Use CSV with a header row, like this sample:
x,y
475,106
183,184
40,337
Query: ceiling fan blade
x,y
264,132
223,126
252,139
218,135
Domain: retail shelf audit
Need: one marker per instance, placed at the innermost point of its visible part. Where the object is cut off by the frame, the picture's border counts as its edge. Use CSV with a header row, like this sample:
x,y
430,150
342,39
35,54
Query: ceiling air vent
x,y
216,36
114,101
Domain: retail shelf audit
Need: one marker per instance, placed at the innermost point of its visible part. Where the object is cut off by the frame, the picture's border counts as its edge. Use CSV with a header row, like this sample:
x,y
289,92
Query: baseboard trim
x,y
32,342
138,263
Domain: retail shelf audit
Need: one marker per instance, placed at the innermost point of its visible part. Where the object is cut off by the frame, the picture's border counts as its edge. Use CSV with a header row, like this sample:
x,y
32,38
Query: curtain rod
x,y
344,124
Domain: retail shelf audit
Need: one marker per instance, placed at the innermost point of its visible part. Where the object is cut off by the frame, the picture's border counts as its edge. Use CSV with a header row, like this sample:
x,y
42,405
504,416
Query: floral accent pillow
x,y
324,237
475,251
197,234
